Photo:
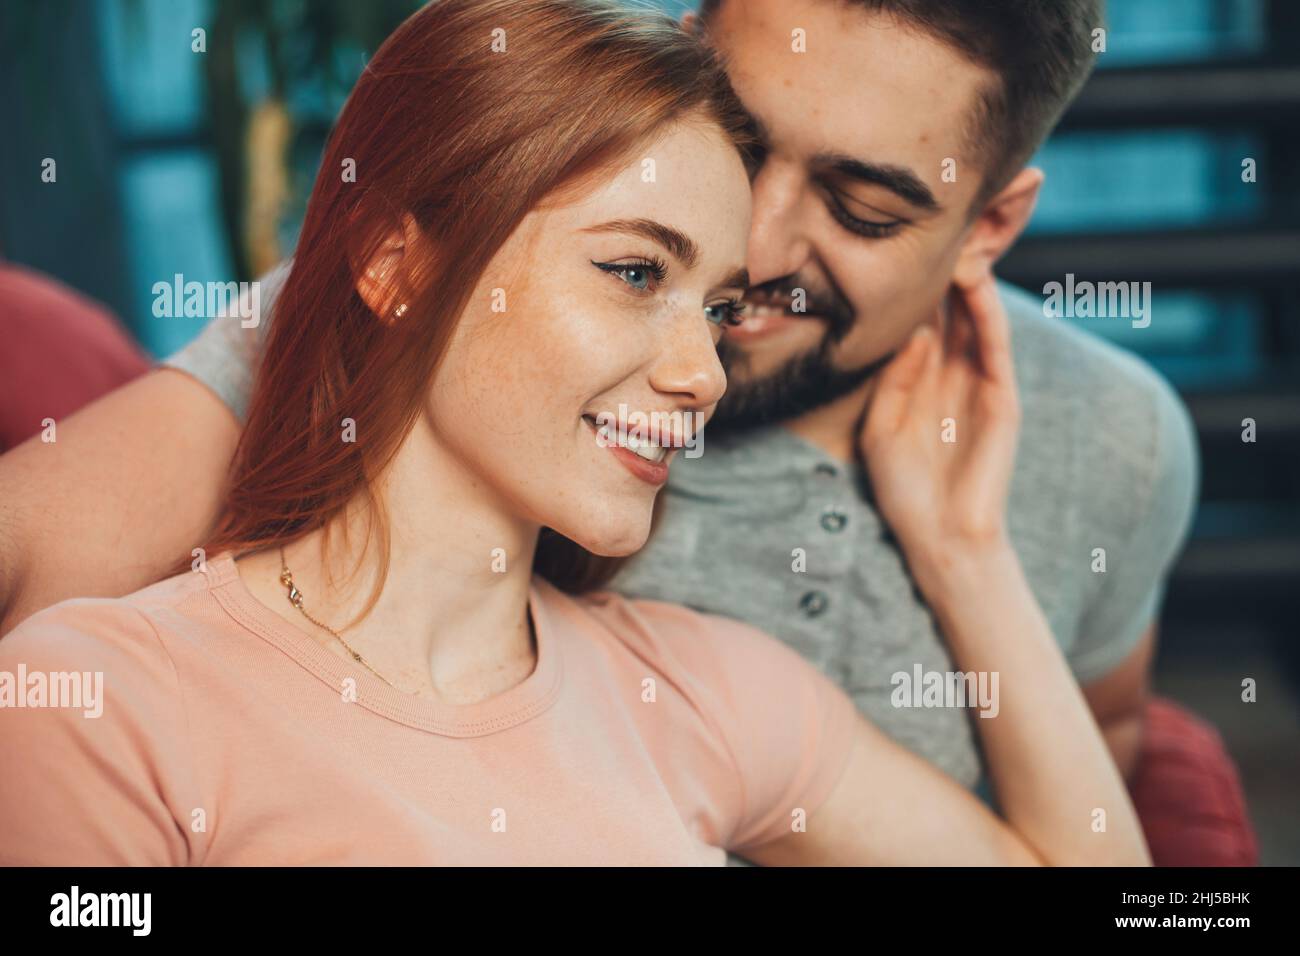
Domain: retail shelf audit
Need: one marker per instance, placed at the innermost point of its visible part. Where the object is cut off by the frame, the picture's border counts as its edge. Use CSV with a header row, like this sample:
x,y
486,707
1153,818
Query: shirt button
x,y
834,520
813,603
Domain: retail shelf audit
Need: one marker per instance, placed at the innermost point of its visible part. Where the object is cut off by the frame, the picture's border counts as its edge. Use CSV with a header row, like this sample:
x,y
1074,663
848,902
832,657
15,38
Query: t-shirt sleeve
x,y
789,728
1129,600
224,355
93,743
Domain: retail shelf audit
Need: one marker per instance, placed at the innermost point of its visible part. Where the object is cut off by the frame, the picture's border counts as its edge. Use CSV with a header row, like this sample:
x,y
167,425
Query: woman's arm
x,y
131,484
102,771
1063,799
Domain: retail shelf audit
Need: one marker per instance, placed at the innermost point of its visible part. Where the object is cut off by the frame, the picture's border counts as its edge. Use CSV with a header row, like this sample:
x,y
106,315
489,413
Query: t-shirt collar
x,y
525,700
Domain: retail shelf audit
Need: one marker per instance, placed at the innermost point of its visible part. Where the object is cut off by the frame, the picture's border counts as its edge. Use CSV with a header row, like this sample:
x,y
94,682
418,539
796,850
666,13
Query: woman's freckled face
x,y
577,339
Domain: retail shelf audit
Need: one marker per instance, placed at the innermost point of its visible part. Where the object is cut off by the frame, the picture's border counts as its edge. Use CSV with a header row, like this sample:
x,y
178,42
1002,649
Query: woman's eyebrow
x,y
680,245
737,279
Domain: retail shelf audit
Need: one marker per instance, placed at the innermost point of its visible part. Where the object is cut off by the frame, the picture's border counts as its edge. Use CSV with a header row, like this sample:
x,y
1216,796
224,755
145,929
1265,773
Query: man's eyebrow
x,y
678,243
897,179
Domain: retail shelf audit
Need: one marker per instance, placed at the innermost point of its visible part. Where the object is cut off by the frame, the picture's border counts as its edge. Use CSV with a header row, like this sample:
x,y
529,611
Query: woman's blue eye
x,y
725,313
638,275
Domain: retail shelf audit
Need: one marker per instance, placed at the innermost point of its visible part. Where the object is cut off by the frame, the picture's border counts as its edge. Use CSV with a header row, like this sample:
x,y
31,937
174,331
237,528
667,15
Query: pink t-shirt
x,y
647,734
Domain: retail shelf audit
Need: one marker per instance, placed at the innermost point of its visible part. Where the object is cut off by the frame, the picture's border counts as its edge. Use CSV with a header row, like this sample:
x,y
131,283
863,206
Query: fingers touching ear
x,y
899,379
959,335
988,318
997,226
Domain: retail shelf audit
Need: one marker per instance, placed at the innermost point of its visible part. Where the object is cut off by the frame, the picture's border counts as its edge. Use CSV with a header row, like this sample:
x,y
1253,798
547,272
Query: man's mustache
x,y
827,302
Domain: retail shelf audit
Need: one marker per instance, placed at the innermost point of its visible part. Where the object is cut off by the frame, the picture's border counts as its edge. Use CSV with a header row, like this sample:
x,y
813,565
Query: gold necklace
x,y
295,598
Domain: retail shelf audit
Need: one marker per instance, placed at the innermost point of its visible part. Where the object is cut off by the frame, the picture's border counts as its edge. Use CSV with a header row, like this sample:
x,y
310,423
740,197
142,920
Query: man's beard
x,y
803,383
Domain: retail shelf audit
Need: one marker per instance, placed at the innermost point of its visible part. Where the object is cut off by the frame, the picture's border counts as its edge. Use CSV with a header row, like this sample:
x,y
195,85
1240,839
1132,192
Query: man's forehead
x,y
865,84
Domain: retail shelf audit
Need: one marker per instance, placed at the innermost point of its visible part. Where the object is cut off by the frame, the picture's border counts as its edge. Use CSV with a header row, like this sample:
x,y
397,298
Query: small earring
x,y
399,311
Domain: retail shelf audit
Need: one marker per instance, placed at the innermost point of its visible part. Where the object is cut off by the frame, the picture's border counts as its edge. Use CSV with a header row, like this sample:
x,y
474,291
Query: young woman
x,y
390,652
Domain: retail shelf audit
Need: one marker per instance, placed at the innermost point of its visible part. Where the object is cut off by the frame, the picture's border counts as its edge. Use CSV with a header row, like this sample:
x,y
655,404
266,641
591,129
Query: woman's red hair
x,y
467,139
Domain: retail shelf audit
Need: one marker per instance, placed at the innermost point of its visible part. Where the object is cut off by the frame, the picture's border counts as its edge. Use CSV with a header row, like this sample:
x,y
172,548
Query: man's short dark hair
x,y
1041,49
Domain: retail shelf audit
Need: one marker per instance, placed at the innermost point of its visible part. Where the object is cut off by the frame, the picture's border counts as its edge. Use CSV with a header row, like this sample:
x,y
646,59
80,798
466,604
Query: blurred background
x,y
171,162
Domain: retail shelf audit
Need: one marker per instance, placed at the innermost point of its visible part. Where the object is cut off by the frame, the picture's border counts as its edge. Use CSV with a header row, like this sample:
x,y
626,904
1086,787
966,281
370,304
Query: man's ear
x,y
999,225
384,281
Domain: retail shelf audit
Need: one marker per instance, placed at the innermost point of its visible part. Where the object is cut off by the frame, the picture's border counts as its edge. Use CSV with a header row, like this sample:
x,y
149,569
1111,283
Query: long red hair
x,y
467,117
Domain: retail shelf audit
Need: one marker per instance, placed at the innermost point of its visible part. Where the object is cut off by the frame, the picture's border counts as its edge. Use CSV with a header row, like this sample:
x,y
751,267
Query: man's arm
x,y
1118,702
132,483
1115,645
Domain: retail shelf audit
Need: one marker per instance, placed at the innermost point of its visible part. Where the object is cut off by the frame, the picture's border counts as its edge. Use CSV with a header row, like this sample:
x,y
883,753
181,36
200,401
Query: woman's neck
x,y
451,621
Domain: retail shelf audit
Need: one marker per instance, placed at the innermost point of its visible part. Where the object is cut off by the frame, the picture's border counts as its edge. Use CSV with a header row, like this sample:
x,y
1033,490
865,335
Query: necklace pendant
x,y
295,597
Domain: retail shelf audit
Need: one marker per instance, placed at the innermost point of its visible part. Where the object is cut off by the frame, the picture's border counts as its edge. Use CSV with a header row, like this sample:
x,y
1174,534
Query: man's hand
x,y
939,439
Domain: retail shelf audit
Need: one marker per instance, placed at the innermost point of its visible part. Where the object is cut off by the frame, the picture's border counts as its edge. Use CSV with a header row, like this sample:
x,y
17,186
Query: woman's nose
x,y
688,367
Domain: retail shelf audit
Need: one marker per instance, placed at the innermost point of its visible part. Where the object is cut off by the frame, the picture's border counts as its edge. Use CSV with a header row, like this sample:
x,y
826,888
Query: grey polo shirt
x,y
1106,460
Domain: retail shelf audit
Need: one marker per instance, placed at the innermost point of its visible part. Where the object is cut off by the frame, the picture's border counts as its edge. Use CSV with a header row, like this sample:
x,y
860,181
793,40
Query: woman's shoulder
x,y
648,621
102,634
95,713
682,640
787,727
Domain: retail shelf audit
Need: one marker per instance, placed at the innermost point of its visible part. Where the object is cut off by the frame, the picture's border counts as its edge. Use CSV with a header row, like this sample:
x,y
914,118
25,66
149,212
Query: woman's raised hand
x,y
940,436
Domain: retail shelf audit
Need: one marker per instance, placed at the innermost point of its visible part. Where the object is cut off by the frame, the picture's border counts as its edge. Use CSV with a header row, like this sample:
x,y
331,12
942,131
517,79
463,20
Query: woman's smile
x,y
643,457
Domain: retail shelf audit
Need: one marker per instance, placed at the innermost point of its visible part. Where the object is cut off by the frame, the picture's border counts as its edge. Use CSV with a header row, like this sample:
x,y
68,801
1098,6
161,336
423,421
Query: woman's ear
x,y
385,281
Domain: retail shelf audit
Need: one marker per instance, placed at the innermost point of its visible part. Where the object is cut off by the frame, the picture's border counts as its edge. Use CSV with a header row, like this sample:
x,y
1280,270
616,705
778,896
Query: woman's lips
x,y
651,472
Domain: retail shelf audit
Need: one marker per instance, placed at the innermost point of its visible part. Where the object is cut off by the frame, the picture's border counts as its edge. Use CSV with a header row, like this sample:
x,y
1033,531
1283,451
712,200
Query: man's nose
x,y
778,242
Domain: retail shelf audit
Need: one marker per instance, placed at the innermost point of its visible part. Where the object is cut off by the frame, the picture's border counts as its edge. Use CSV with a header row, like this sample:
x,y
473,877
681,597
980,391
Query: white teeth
x,y
649,452
642,447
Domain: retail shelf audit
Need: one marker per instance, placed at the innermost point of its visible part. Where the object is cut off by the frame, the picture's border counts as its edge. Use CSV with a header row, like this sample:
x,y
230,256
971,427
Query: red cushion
x,y
1188,795
60,352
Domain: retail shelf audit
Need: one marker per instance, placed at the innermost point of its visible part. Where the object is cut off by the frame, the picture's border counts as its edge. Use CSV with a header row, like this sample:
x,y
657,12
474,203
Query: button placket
x,y
827,487
832,519
814,603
